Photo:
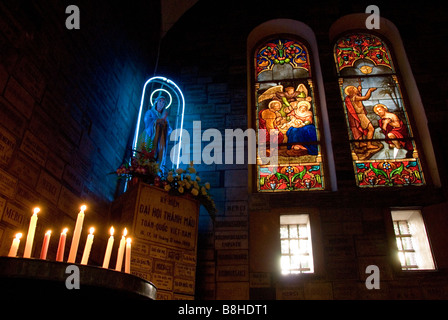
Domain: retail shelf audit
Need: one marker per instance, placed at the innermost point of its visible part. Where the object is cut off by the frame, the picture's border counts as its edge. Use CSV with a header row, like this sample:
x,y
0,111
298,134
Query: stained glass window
x,y
382,143
285,101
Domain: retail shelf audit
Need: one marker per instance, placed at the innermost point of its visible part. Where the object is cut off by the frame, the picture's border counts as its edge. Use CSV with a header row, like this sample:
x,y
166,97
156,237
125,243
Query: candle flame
x,y
65,230
36,210
125,232
111,231
48,232
18,236
128,240
91,230
83,208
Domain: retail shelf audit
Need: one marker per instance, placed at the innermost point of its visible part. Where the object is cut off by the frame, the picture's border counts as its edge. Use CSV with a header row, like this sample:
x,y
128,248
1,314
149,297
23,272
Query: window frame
x,y
401,248
300,30
389,32
320,130
299,219
419,236
408,110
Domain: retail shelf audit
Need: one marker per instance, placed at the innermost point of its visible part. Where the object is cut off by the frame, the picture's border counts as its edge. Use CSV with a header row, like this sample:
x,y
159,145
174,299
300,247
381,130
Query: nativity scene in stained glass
x,y
383,149
285,103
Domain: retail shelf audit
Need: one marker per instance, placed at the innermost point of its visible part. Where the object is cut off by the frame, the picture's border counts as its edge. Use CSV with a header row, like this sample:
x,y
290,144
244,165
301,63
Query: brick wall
x,y
68,103
205,52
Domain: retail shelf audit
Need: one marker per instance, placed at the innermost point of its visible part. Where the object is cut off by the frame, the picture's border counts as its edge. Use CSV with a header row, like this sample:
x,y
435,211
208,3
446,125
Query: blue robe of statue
x,y
156,135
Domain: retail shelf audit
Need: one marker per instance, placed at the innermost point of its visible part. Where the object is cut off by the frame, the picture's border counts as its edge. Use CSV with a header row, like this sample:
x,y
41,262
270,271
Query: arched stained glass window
x,y
382,143
285,101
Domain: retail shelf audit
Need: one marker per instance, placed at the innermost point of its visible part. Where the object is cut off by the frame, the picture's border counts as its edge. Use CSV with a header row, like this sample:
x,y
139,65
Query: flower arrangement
x,y
187,182
144,167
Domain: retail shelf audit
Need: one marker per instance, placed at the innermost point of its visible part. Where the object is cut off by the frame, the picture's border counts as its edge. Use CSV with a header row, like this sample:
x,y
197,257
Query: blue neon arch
x,y
159,84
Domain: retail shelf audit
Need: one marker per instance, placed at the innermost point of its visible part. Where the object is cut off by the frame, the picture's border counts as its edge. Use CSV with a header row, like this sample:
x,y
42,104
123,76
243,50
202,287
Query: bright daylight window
x,y
414,251
295,240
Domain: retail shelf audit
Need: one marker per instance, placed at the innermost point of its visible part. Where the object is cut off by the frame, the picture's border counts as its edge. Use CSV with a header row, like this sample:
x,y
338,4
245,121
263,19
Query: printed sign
x,y
8,184
34,148
165,231
15,215
166,219
260,280
7,145
231,240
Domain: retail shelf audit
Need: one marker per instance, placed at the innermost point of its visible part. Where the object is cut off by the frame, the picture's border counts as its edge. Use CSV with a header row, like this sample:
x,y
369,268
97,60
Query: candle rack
x,y
25,278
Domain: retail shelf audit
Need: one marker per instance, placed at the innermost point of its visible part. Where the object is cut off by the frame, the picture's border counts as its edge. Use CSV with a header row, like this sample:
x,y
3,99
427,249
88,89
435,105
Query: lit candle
x,y
44,250
88,247
76,236
110,244
127,261
61,246
121,251
15,245
30,235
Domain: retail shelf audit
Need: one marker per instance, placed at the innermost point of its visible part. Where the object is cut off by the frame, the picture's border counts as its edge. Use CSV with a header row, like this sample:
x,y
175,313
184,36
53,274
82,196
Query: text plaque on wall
x,y
165,230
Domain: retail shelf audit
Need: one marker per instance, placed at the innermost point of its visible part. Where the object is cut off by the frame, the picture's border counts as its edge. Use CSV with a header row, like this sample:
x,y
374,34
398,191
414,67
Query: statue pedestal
x,y
164,230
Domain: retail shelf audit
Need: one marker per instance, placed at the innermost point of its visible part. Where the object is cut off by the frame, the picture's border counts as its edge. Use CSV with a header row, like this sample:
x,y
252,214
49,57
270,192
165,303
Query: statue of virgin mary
x,y
157,130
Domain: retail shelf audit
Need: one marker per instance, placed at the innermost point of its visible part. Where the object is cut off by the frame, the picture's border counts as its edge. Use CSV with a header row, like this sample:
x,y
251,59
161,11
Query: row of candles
x,y
125,244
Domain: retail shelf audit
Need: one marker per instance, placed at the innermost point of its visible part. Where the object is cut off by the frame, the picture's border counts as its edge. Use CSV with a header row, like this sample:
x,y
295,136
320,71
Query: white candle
x,y
88,247
127,261
44,250
110,244
76,236
30,235
121,251
61,246
15,245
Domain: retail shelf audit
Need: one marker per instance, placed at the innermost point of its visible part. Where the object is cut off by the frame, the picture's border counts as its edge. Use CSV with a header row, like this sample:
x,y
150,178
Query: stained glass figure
x,y
381,138
285,101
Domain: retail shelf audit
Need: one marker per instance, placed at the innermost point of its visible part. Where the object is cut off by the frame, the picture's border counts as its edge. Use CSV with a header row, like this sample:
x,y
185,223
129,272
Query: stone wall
x,y
238,254
68,104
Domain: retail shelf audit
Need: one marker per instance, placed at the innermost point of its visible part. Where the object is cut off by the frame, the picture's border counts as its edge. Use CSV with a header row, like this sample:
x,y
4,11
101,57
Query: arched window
x,y
285,100
382,142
